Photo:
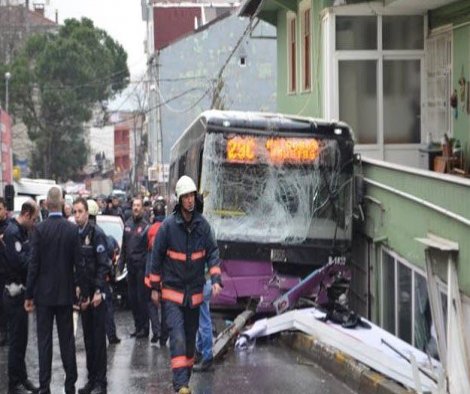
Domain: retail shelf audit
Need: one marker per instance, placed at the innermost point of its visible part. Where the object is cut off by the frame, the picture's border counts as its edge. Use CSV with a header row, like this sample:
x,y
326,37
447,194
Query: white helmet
x,y
184,186
93,209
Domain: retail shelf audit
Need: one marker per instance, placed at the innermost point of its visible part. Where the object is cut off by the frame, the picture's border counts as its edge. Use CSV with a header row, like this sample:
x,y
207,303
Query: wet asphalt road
x,y
134,366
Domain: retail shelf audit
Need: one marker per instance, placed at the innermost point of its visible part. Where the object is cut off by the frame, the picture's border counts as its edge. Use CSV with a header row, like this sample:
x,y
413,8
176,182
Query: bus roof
x,y
246,121
267,121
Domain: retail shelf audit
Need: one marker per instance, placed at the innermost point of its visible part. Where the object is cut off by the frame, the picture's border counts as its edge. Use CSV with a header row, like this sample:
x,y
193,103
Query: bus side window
x,y
199,166
182,166
173,178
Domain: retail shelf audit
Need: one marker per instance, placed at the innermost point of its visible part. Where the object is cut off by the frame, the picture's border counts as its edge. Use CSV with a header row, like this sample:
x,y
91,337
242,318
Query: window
x,y
379,77
402,32
356,32
405,308
292,62
402,97
182,166
306,50
358,97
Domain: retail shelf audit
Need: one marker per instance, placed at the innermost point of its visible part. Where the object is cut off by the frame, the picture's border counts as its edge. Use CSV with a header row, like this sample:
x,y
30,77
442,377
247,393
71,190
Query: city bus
x,y
277,191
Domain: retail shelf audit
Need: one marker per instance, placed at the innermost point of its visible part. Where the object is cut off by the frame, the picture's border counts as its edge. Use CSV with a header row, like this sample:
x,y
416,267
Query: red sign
x,y
5,149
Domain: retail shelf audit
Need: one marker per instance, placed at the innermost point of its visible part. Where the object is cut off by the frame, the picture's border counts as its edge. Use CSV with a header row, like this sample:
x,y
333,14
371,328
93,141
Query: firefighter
x,y
156,314
134,255
17,254
182,249
94,253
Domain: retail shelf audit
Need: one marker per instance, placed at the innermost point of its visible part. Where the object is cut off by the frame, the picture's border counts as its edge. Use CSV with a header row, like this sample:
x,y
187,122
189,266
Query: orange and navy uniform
x,y
179,257
151,234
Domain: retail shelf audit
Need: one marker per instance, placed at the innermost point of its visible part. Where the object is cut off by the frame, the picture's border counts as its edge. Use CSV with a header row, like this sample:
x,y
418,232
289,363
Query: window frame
x,y
306,53
331,74
291,27
415,270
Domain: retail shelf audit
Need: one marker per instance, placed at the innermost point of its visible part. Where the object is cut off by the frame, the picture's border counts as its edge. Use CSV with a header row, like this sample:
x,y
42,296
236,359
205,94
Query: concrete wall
x,y
189,68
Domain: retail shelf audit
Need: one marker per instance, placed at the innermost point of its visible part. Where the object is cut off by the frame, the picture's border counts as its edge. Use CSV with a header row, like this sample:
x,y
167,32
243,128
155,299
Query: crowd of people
x,y
60,265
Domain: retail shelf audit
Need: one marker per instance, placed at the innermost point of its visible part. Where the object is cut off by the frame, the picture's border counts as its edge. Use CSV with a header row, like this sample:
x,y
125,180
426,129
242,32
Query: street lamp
x,y
7,79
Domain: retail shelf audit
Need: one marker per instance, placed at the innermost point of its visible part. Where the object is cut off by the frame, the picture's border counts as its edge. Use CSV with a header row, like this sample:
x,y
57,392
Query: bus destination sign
x,y
274,150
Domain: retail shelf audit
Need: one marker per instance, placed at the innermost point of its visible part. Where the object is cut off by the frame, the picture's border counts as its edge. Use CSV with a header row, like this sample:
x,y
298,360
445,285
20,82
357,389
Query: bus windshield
x,y
276,189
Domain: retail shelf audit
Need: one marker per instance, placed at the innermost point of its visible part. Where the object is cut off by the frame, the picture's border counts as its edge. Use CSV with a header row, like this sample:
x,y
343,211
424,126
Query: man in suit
x,y
51,288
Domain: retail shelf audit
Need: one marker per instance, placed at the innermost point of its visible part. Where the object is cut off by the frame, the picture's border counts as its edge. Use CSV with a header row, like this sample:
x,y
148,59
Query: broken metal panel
x,y
457,358
452,343
437,311
364,345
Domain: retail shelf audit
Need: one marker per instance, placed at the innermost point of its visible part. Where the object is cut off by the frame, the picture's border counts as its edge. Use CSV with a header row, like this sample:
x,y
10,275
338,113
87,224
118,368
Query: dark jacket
x,y
55,263
179,256
95,257
3,227
134,244
115,211
17,253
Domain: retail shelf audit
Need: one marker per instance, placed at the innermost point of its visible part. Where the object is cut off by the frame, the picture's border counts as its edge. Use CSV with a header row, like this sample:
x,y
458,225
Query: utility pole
x,y
7,80
159,117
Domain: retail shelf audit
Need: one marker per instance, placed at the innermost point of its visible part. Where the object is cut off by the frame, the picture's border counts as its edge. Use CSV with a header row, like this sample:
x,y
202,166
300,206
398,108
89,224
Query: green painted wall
x,y
461,66
401,220
300,103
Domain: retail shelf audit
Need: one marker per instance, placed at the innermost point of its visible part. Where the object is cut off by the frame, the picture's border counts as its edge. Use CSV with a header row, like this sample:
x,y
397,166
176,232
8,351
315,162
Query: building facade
x,y
6,157
232,67
18,21
397,71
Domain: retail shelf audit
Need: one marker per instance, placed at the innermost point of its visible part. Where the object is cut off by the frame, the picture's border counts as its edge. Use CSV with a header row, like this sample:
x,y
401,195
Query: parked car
x,y
114,226
111,225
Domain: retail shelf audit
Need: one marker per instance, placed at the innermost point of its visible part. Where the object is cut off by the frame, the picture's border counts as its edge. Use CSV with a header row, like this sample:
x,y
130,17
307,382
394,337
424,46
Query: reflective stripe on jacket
x,y
179,257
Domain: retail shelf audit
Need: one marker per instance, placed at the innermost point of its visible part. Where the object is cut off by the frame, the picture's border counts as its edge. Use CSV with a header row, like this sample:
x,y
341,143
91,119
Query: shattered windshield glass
x,y
275,189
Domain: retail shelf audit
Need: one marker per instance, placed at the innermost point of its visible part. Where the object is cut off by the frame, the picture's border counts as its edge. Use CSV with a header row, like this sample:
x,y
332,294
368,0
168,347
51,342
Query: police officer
x,y
134,255
3,225
17,254
51,288
95,269
112,247
183,248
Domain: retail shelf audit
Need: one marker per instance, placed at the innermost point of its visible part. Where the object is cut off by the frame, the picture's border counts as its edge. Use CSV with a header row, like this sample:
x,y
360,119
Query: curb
x,y
354,374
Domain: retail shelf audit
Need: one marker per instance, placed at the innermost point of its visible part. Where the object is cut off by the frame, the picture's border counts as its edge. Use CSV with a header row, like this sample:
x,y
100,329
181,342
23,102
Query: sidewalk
x,y
354,374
